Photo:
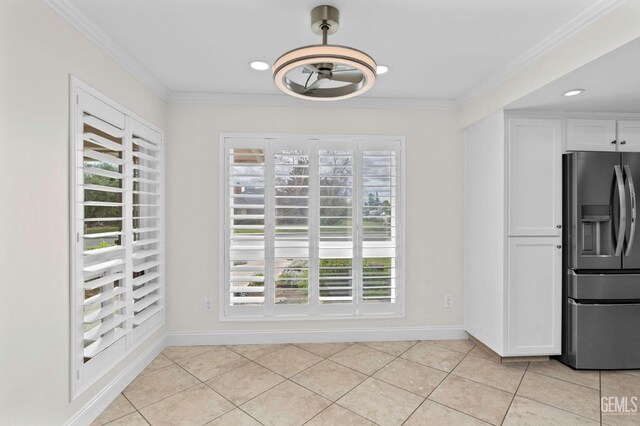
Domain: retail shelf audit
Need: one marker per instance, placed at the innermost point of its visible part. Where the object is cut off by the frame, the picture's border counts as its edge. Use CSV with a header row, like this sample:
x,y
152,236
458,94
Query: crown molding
x,y
211,98
578,23
83,24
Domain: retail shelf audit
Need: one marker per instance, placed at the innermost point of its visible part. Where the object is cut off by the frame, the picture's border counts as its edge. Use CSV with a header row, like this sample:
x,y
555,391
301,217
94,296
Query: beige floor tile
x,y
118,408
289,361
157,385
213,363
411,376
243,383
620,385
329,379
631,372
236,417
462,346
254,352
555,369
336,415
158,362
285,404
560,394
362,358
392,348
472,398
324,350
192,407
433,414
180,353
481,353
133,419
501,376
525,412
433,356
381,402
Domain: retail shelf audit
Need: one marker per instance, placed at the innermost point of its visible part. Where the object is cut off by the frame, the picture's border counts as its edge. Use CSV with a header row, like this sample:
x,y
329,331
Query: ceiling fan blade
x,y
344,69
316,84
348,77
311,68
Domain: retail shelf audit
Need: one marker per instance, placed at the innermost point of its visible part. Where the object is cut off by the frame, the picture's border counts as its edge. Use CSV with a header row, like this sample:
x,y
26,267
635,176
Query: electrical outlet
x,y
448,301
208,304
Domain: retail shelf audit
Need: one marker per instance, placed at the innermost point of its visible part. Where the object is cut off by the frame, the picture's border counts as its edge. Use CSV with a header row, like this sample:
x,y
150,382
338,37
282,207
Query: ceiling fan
x,y
324,72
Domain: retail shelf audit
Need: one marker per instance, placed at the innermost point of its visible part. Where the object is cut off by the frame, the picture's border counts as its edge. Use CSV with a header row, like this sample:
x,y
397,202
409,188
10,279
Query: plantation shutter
x,y
101,238
147,268
312,226
116,233
291,205
245,224
379,236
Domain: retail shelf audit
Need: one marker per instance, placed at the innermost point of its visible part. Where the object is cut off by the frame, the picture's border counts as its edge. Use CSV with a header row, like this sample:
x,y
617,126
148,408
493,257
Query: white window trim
x,y
222,248
78,381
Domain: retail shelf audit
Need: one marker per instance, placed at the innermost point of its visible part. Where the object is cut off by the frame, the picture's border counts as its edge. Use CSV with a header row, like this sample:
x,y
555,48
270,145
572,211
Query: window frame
x,y
83,377
371,311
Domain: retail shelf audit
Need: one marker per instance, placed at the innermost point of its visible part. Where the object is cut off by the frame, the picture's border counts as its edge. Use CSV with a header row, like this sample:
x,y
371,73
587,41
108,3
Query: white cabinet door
x,y
591,134
534,293
629,135
535,177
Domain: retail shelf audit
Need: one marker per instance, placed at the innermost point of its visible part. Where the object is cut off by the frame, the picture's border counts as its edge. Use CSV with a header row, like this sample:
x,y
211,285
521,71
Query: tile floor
x,y
446,382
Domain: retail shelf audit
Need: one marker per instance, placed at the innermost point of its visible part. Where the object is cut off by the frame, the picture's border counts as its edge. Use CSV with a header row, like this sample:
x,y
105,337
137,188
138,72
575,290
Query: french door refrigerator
x,y
601,282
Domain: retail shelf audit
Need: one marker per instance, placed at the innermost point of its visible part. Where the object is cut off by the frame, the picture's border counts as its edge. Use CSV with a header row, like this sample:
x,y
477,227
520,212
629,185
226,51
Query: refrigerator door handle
x,y
622,226
632,192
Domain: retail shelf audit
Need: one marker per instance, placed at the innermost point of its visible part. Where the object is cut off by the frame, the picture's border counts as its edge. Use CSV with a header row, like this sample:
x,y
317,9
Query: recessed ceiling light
x,y
259,65
382,69
573,92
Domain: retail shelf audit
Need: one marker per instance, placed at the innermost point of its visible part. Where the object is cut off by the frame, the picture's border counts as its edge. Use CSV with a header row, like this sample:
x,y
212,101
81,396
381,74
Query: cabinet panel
x,y
591,135
534,296
535,177
629,135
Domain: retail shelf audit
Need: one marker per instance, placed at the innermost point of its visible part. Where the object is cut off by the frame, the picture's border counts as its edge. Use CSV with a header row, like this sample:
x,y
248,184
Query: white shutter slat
x,y
101,266
99,282
145,253
106,295
103,234
143,291
103,126
141,317
102,141
145,157
101,251
145,144
145,278
102,172
103,312
99,345
102,188
146,242
104,327
105,158
147,265
145,302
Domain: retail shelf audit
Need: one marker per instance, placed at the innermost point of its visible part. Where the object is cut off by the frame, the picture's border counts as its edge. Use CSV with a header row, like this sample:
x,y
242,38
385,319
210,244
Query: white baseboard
x,y
95,406
237,337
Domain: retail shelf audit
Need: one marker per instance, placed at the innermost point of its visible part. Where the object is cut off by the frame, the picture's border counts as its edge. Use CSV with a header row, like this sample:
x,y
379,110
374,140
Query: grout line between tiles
x,y
600,394
515,393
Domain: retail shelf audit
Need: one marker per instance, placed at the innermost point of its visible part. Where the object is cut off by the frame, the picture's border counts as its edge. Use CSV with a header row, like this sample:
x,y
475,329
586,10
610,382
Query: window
x,y
312,226
117,281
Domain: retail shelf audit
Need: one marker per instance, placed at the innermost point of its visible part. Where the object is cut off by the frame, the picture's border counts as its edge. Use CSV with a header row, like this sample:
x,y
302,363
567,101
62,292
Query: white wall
x,y
434,193
38,50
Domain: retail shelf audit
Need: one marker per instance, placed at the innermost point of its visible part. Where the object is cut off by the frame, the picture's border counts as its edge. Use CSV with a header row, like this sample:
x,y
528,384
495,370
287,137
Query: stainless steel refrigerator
x,y
601,283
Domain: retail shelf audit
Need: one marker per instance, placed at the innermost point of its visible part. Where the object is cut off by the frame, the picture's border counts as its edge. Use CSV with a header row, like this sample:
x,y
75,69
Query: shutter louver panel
x,y
291,216
246,227
117,261
312,227
379,226
336,226
104,261
146,269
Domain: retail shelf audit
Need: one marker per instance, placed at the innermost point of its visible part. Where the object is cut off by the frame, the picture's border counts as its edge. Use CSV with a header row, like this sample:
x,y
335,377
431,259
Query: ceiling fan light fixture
x,y
324,72
382,69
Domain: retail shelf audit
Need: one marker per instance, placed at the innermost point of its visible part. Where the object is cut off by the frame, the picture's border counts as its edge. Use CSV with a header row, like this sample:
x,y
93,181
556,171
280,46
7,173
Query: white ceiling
x,y
611,83
436,49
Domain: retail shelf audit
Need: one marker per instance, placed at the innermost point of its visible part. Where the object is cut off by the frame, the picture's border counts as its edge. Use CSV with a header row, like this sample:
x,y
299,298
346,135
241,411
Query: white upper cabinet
x,y
535,177
591,134
628,135
534,293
